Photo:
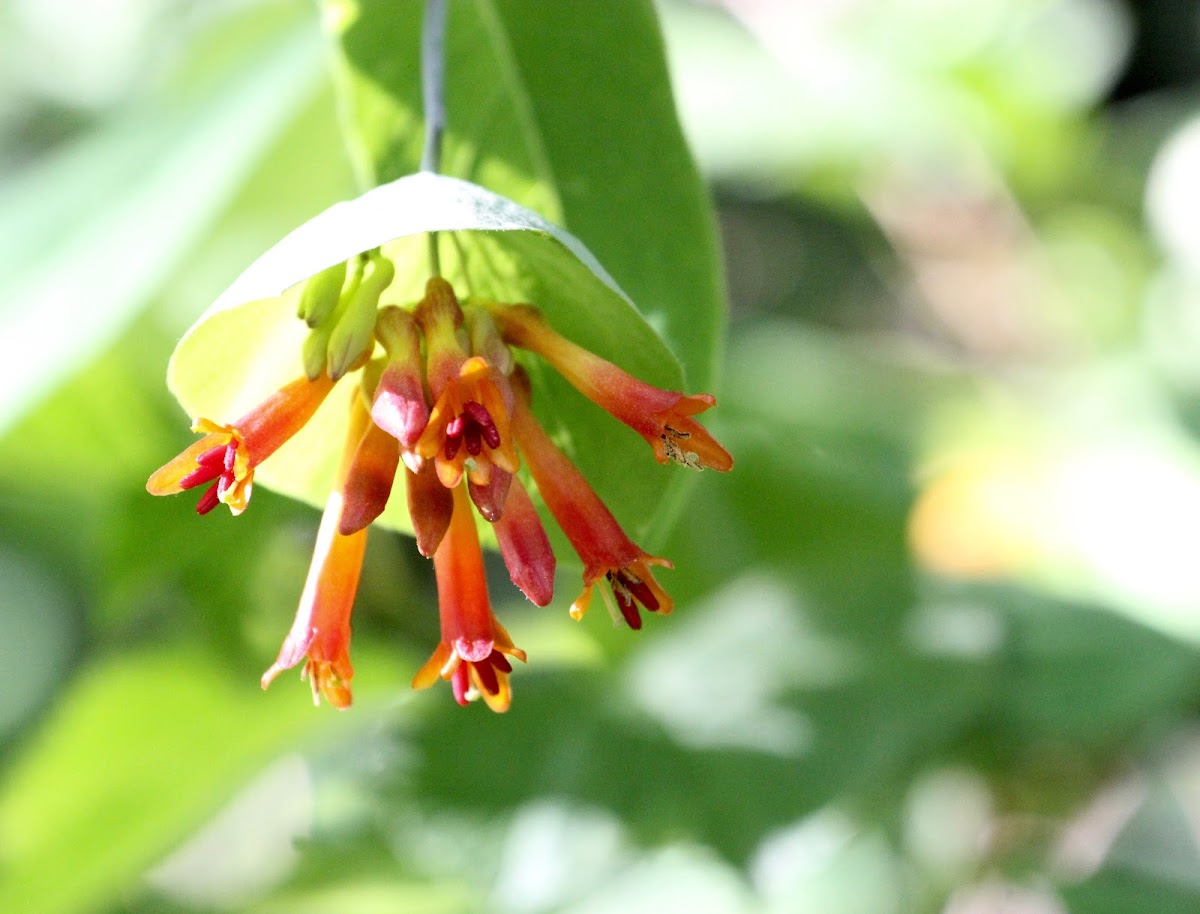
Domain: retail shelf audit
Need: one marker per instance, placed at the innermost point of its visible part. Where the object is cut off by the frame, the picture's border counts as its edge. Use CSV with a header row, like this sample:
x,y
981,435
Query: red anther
x,y
643,593
624,595
460,683
472,428
454,435
487,675
472,440
230,454
208,500
483,422
213,457
629,610
200,476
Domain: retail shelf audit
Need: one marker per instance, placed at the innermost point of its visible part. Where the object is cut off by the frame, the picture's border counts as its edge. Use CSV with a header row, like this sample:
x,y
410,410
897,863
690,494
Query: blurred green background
x,y
936,640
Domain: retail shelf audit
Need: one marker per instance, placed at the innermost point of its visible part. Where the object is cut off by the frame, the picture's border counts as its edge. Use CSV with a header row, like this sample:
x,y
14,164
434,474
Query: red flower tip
x,y
491,497
525,547
399,406
630,585
474,650
327,683
486,677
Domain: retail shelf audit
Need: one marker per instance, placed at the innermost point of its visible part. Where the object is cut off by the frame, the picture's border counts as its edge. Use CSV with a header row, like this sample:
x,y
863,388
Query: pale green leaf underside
x,y
248,343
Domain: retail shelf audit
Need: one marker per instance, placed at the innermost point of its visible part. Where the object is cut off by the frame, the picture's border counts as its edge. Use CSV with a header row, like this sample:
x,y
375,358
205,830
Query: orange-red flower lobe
x,y
468,429
227,454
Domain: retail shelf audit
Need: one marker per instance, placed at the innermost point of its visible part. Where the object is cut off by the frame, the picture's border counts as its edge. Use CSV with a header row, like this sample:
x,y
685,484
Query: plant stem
x,y
433,82
433,88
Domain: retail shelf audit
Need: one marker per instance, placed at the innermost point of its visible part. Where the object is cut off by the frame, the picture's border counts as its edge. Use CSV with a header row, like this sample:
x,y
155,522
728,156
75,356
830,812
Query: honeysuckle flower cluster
x,y
442,403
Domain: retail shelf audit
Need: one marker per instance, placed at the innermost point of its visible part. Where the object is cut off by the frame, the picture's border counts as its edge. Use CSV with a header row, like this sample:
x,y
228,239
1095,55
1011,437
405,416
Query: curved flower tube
x,y
321,629
474,643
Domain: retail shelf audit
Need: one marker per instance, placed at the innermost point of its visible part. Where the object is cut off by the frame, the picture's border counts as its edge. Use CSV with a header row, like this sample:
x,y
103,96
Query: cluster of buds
x,y
442,401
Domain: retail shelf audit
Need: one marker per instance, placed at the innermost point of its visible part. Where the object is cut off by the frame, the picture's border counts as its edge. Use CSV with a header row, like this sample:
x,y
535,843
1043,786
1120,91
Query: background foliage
x,y
936,645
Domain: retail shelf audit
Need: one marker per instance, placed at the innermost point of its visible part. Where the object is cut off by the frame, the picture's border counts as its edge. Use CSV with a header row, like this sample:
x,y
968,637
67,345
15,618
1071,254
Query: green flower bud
x,y
314,351
354,330
321,294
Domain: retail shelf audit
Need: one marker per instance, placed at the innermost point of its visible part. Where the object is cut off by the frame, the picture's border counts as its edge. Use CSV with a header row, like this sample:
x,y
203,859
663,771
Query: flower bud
x,y
399,404
354,329
321,294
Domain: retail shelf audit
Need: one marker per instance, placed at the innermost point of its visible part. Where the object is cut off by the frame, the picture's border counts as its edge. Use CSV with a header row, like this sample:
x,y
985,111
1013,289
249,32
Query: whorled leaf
x,y
249,342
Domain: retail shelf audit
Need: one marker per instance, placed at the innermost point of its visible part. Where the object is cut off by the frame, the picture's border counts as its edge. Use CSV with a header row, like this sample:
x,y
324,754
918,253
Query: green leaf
x,y
87,237
1081,673
1119,891
492,138
91,802
567,109
249,342
37,616
378,896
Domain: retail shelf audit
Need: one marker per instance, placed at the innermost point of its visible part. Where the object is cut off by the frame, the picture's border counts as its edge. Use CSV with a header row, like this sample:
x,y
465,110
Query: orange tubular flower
x,y
662,417
468,427
430,505
369,480
322,625
472,652
227,454
602,545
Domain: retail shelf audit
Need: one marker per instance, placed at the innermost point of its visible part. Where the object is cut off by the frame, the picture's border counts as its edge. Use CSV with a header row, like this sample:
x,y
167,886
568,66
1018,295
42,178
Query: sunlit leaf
x,y
94,788
37,616
88,236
